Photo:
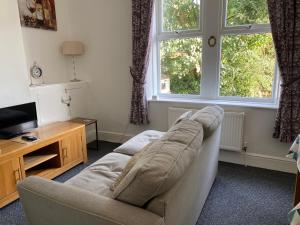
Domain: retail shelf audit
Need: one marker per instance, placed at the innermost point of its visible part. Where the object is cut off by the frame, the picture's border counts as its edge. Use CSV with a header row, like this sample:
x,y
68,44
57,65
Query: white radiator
x,y
232,137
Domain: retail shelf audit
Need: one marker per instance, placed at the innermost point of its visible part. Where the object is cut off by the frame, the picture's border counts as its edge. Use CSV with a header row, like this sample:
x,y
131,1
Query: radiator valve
x,y
245,147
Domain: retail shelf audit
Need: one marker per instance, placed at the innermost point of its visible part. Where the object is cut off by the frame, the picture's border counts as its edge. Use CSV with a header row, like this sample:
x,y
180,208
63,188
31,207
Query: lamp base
x,y
75,80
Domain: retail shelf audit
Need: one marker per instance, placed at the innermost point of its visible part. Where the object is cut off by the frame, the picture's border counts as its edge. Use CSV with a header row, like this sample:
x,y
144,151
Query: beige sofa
x,y
86,198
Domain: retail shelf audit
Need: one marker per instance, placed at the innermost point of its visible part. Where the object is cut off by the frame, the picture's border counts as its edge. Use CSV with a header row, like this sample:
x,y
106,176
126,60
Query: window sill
x,y
260,105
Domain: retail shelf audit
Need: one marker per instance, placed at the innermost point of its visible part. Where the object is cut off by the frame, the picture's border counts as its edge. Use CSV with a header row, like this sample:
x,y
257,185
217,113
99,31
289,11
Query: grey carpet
x,y
248,196
240,195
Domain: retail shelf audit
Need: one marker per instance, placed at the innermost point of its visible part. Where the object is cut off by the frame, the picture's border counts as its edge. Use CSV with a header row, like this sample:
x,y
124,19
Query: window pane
x,y
248,65
181,14
181,66
242,12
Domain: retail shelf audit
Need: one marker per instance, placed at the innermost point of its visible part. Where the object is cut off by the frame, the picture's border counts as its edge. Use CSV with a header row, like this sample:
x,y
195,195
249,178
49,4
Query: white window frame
x,y
211,57
167,35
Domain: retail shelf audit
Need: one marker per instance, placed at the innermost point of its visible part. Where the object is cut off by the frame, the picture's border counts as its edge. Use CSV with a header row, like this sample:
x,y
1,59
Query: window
x,y
240,67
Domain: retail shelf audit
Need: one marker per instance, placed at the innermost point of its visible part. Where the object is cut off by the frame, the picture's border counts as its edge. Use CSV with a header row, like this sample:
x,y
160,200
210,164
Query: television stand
x,y
9,136
60,147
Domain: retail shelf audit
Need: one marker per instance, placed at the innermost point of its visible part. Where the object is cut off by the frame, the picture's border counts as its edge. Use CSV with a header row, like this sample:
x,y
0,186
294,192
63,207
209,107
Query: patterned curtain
x,y
285,23
142,11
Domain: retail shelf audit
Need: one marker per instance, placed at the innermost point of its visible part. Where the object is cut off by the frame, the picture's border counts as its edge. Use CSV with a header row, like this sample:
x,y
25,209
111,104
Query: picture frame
x,y
40,14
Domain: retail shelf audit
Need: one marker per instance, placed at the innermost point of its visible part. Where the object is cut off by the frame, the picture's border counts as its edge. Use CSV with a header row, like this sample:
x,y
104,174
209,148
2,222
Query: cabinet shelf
x,y
35,160
41,172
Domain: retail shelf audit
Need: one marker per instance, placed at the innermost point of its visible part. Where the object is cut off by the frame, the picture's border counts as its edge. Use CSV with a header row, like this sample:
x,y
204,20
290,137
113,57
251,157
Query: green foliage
x,y
181,14
241,12
247,66
181,61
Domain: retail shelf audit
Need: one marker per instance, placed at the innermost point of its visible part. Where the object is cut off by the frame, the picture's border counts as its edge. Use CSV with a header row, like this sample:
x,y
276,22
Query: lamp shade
x,y
73,48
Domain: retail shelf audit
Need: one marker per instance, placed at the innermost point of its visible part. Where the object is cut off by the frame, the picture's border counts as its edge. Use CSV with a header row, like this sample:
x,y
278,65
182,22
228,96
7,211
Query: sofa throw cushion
x,y
138,142
161,164
186,115
210,117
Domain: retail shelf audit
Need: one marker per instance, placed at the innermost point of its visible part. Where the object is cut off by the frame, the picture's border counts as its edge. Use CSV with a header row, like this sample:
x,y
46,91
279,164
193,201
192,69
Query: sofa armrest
x,y
50,203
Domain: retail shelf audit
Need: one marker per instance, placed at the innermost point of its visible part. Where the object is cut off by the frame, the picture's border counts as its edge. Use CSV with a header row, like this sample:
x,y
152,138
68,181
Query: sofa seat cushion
x,y
98,177
137,143
161,164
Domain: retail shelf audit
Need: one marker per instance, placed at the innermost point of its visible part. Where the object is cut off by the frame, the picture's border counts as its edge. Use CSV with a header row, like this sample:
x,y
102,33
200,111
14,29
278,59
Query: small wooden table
x,y
88,122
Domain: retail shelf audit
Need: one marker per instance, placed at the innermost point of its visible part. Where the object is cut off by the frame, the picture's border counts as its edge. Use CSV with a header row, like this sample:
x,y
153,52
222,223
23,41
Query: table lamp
x,y
73,48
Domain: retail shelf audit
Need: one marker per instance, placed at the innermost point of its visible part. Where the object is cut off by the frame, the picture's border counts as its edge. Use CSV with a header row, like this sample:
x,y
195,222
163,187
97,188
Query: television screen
x,y
17,120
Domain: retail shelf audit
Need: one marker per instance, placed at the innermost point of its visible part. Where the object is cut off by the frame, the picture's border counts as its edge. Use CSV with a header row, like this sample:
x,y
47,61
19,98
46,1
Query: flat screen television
x,y
17,120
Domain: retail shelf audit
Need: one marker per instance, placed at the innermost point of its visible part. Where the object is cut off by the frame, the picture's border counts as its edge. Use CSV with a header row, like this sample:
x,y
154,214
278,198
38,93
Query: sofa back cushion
x,y
184,116
184,133
210,117
161,164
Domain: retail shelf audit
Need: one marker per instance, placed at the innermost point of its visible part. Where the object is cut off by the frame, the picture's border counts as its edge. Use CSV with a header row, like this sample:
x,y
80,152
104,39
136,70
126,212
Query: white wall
x,y
105,28
43,46
51,108
13,79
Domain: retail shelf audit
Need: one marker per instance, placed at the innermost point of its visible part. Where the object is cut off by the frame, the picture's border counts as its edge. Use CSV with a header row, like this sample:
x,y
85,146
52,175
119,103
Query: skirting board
x,y
113,137
260,161
247,159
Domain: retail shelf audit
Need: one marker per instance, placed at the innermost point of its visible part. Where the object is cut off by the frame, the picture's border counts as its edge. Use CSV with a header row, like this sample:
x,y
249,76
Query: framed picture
x,y
38,14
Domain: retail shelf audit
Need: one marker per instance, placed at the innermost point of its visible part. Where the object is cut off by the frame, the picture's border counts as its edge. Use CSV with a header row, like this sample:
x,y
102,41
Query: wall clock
x,y
212,41
36,73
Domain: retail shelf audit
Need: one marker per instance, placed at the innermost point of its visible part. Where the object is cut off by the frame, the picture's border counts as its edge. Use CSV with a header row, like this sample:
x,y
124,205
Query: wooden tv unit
x,y
60,147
